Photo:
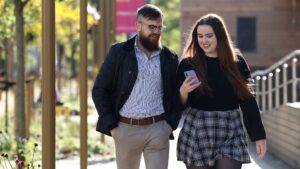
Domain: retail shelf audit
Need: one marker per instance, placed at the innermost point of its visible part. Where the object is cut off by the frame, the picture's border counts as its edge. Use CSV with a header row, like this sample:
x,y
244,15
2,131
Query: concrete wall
x,y
283,133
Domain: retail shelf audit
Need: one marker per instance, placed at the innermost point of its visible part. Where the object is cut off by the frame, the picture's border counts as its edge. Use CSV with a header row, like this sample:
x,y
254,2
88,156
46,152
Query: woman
x,y
212,136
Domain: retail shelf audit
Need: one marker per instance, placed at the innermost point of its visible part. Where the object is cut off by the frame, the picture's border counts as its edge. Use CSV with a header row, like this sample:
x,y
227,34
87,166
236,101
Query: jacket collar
x,y
129,44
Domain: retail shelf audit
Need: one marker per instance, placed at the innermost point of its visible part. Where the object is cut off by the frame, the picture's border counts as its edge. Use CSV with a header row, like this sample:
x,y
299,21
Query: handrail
x,y
277,64
274,87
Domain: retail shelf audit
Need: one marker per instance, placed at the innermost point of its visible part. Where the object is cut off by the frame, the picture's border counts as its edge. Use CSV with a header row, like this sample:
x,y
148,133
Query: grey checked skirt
x,y
208,136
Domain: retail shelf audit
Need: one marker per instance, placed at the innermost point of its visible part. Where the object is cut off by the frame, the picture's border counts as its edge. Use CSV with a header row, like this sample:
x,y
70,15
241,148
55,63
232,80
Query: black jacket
x,y
117,77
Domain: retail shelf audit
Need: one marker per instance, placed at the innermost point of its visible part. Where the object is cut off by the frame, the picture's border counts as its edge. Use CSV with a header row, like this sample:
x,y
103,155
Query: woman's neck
x,y
212,55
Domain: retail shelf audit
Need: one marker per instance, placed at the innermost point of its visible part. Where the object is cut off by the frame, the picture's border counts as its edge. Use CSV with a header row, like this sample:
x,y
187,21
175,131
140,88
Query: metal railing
x,y
277,85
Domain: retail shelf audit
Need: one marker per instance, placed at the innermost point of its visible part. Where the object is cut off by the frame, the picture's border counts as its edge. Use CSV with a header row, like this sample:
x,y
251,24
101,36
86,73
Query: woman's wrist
x,y
183,97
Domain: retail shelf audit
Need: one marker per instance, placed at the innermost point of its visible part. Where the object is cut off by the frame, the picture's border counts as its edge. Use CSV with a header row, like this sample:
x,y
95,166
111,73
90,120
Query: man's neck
x,y
141,47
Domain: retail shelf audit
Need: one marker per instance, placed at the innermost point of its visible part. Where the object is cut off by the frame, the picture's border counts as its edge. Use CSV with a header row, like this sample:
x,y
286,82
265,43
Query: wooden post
x,y
6,111
32,99
96,55
112,22
102,51
102,41
27,108
83,84
48,84
107,27
107,21
28,105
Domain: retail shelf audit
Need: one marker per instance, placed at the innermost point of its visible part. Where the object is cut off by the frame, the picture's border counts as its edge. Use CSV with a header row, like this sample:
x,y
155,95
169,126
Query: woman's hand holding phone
x,y
192,74
190,83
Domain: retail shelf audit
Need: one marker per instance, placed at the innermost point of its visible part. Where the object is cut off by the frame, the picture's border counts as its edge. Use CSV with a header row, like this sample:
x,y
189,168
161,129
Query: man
x,y
133,92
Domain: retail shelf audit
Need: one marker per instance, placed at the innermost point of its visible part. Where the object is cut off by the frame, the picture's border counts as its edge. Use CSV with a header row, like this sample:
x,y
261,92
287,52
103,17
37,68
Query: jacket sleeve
x,y
172,117
103,89
251,113
178,107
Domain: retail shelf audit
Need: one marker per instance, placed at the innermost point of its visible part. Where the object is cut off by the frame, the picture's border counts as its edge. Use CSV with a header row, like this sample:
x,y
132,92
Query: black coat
x,y
117,77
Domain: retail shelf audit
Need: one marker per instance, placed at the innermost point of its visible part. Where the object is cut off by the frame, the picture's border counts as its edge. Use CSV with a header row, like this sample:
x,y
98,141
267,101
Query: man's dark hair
x,y
149,11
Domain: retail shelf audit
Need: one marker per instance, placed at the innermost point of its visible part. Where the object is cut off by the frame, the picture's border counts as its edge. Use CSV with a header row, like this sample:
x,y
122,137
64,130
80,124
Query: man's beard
x,y
149,44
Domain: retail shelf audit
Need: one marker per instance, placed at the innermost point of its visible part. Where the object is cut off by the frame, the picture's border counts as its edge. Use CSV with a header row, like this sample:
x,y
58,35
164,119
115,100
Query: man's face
x,y
149,33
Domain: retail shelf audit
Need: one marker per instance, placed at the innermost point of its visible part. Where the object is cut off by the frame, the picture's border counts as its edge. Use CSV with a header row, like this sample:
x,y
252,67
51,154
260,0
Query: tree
x,y
13,17
67,33
33,30
20,89
94,3
7,34
171,10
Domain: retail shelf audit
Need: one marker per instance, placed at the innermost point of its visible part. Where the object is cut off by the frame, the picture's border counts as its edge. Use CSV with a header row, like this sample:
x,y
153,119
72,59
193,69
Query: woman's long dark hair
x,y
226,55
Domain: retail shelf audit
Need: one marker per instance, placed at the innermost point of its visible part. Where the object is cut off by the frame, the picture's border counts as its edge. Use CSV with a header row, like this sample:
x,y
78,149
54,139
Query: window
x,y
246,34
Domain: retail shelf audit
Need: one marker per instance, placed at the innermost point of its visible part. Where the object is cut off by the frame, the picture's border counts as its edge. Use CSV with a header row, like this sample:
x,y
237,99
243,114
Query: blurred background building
x,y
264,30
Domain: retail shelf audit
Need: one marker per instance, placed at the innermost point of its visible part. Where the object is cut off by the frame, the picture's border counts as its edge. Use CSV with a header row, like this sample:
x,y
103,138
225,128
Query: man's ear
x,y
138,26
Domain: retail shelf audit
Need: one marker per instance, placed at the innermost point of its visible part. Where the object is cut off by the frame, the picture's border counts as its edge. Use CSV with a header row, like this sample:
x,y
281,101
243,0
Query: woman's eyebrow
x,y
206,34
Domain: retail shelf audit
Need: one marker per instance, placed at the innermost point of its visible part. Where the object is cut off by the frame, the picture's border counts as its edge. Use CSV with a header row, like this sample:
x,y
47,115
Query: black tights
x,y
224,163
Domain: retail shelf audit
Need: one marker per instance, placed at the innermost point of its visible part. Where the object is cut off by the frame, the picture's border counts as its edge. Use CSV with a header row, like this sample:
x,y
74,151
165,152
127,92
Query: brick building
x,y
264,30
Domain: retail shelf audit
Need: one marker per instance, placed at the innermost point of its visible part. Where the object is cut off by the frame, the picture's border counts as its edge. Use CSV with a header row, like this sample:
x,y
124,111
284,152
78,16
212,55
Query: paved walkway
x,y
269,162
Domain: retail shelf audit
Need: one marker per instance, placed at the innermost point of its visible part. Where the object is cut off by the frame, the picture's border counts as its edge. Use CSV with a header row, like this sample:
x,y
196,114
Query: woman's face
x,y
207,40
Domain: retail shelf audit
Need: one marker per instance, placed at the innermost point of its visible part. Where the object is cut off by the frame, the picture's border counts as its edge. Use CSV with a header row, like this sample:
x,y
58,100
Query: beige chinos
x,y
152,141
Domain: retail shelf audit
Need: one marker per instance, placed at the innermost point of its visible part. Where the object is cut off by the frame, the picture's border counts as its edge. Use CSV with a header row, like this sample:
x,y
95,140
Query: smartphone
x,y
191,73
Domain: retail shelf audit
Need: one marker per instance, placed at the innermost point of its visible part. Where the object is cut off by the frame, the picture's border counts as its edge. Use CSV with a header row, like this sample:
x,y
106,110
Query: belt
x,y
144,121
